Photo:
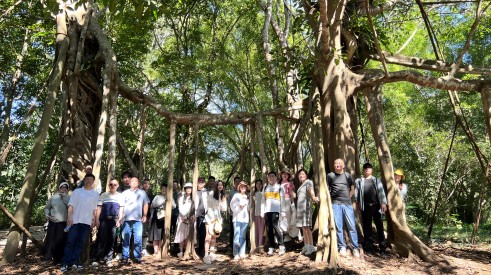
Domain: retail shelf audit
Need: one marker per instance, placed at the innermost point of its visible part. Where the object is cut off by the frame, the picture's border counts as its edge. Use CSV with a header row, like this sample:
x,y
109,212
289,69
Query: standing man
x,y
97,185
135,214
109,214
146,226
175,211
272,205
342,188
126,178
231,194
371,201
211,183
81,218
202,207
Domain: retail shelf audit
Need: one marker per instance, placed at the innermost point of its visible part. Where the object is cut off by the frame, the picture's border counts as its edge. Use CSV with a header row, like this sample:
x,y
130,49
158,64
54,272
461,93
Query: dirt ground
x,y
461,259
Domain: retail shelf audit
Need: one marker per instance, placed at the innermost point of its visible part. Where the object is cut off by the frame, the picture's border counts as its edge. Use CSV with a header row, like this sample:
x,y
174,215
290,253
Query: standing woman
x,y
239,205
157,226
402,187
258,220
217,202
289,187
56,212
184,221
304,210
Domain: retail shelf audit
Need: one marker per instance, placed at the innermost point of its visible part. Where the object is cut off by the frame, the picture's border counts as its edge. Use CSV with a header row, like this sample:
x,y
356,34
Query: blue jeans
x,y
240,230
77,235
135,228
343,212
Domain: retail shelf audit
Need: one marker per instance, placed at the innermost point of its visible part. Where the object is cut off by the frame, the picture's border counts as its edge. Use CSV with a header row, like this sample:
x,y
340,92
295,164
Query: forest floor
x,y
460,259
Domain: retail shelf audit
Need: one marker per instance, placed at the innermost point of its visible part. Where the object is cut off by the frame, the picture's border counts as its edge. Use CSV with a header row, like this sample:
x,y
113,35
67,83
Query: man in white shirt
x,y
81,218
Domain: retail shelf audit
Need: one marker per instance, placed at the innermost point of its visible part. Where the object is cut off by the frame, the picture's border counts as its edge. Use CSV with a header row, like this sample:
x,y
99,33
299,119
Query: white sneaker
x,y
342,251
95,264
304,250
282,250
179,255
213,257
213,249
270,251
207,260
236,258
119,257
356,253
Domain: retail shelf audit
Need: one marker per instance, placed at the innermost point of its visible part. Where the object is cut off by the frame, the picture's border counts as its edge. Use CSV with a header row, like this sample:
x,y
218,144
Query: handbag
x,y
217,228
161,213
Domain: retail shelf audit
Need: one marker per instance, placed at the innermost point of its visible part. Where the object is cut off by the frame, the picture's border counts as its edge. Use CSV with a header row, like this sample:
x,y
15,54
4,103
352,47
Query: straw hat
x,y
240,184
286,170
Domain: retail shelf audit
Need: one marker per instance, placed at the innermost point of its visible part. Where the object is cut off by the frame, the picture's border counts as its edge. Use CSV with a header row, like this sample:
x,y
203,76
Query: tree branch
x,y
374,77
430,65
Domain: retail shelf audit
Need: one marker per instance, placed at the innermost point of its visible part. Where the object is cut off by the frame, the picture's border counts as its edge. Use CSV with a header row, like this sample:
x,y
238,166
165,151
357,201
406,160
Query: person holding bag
x,y
157,219
217,202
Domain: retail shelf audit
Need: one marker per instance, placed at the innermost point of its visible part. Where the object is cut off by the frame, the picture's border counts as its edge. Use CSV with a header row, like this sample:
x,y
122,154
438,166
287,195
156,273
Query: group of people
x,y
121,211
280,208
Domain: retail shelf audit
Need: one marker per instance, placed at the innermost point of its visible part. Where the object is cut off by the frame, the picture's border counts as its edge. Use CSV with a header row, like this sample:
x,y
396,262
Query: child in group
x,y
184,221
157,226
217,202
305,196
239,205
258,220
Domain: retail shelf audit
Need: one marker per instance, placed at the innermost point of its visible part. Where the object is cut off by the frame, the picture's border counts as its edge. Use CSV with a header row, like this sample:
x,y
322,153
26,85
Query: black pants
x,y
371,212
273,229
104,244
173,224
200,235
231,232
55,241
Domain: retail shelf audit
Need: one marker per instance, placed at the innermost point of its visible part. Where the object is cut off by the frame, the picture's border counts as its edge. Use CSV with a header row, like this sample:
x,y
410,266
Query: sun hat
x,y
240,184
188,185
400,173
63,183
286,170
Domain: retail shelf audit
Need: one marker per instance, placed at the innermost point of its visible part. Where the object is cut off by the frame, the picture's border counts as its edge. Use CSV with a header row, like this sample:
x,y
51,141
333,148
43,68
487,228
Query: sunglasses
x,y
112,184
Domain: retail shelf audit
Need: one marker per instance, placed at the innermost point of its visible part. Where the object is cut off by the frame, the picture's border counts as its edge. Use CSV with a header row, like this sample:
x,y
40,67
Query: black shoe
x,y
125,262
137,261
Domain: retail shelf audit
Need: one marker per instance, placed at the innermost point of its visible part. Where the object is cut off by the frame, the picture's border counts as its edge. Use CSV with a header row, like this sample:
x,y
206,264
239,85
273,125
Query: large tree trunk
x,y
28,185
170,192
85,93
403,241
252,227
327,232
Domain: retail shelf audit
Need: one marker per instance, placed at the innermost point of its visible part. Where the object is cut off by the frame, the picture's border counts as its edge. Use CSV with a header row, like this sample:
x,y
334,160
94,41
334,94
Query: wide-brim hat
x,y
188,184
240,184
286,170
400,173
63,183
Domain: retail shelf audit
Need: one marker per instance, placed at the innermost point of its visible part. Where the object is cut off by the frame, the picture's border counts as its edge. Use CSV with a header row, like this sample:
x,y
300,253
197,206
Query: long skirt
x,y
156,229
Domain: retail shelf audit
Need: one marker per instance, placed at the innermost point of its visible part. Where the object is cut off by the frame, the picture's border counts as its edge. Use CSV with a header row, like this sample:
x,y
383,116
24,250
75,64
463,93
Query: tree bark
x,y
403,241
252,227
170,192
29,181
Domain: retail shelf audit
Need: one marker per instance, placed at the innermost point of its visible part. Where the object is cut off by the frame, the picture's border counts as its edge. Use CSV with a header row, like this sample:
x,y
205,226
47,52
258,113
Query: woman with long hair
x,y
217,202
184,221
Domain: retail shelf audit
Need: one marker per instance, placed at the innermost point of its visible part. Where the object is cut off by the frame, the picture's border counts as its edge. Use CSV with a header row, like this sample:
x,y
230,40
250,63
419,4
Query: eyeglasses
x,y
112,184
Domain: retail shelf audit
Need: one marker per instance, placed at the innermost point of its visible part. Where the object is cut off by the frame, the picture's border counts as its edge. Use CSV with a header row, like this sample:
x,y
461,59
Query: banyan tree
x,y
313,104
